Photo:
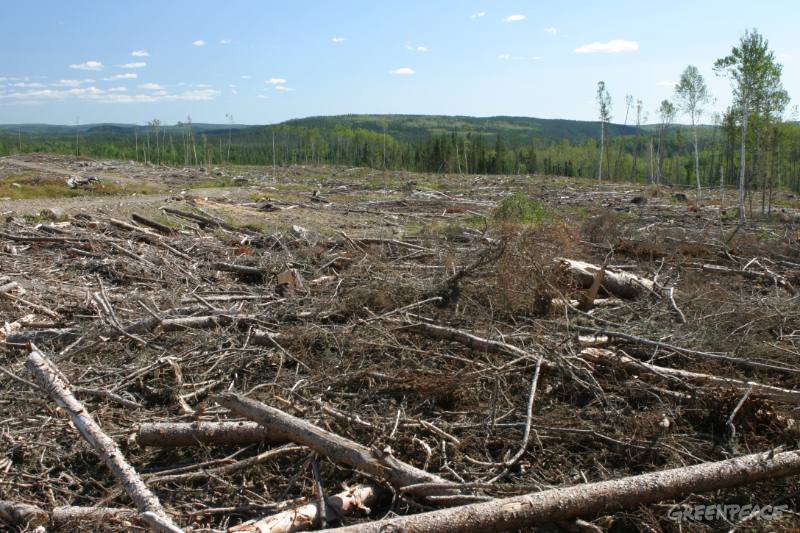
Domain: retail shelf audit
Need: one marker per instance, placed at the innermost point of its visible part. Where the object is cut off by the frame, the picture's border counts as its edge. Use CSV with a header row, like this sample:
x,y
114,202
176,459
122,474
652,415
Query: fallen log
x,y
177,434
347,503
248,272
50,378
592,499
618,283
339,449
750,274
71,518
159,227
22,515
608,357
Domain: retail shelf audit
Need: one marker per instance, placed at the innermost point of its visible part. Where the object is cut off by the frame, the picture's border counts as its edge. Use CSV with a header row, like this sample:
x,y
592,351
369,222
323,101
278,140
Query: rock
x,y
300,232
52,213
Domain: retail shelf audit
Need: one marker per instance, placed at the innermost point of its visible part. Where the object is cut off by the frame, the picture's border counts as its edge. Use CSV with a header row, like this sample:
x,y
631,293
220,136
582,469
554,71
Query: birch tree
x,y
756,79
691,95
604,106
666,113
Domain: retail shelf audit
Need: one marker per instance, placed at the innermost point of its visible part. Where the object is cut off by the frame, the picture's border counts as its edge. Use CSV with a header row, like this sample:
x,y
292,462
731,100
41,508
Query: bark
x,y
79,518
347,503
599,355
159,227
761,276
22,514
621,284
592,499
50,378
242,270
175,434
339,449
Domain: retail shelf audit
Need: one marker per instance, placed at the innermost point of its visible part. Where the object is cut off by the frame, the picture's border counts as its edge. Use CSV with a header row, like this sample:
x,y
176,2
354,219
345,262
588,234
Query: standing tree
x,y
666,113
628,105
756,78
604,105
691,95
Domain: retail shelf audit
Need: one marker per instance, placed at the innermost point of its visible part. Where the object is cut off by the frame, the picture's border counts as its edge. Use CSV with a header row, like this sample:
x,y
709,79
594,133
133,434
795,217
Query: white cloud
x,y
611,47
262,96
551,30
137,64
403,71
276,81
140,53
28,85
338,40
225,41
246,76
666,83
110,96
151,87
117,90
504,57
515,18
199,42
417,48
124,76
477,15
234,92
88,65
283,89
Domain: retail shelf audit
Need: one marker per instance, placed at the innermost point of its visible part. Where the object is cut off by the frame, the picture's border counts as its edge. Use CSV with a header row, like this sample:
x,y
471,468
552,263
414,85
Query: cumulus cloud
x,y
124,76
283,89
409,46
262,96
24,84
137,64
151,87
199,42
140,53
478,15
515,18
338,40
246,76
116,95
225,41
88,65
551,30
611,47
504,57
403,71
276,81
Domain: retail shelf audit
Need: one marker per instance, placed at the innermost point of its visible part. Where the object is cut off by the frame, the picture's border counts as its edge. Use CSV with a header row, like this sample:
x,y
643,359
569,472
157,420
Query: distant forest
x,y
446,144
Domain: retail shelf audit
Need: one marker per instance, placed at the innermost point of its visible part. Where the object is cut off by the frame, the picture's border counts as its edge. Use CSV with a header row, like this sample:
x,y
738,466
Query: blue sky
x,y
268,61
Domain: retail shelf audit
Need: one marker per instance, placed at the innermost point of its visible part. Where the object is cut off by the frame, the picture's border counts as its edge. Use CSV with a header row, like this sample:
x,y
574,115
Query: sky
x,y
265,61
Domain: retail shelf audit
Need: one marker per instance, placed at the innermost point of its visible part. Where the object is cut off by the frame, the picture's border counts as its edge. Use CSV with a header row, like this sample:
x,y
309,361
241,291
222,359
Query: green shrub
x,y
521,209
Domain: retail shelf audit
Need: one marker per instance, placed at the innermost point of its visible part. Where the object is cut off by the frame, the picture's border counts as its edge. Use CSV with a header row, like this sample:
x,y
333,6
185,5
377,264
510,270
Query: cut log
x,y
749,274
50,378
22,515
617,283
70,518
592,499
347,503
246,272
607,357
159,227
175,434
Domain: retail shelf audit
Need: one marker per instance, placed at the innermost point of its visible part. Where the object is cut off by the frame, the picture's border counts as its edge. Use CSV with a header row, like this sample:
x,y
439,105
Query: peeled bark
x,y
346,503
592,499
50,378
68,517
175,434
617,283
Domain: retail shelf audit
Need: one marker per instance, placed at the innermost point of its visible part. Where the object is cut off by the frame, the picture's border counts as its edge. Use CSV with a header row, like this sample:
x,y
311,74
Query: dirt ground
x,y
339,272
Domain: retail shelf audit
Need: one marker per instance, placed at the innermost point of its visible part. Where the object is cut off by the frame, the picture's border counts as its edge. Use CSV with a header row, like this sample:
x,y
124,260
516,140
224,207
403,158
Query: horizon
x,y
260,63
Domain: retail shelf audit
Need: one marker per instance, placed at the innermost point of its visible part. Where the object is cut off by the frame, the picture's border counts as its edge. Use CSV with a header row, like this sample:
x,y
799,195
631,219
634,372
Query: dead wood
x,y
159,227
617,283
22,514
602,356
167,434
750,274
592,499
57,388
358,499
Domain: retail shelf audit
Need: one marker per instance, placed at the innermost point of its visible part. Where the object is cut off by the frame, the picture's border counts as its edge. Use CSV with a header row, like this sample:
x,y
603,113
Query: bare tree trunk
x,y
697,161
742,160
50,378
592,499
169,434
602,143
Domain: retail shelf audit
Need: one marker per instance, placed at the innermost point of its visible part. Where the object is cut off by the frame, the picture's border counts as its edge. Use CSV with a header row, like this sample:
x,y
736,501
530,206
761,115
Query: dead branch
x,y
22,514
617,283
168,434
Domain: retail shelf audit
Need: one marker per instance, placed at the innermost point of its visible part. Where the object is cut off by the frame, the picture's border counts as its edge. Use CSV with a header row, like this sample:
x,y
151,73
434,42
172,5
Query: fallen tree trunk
x,y
159,227
71,518
592,499
338,449
621,284
22,515
602,356
50,378
749,274
346,503
175,434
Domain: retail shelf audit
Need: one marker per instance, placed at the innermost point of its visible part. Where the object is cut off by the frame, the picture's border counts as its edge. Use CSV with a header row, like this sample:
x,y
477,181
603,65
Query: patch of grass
x,y
30,186
522,209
